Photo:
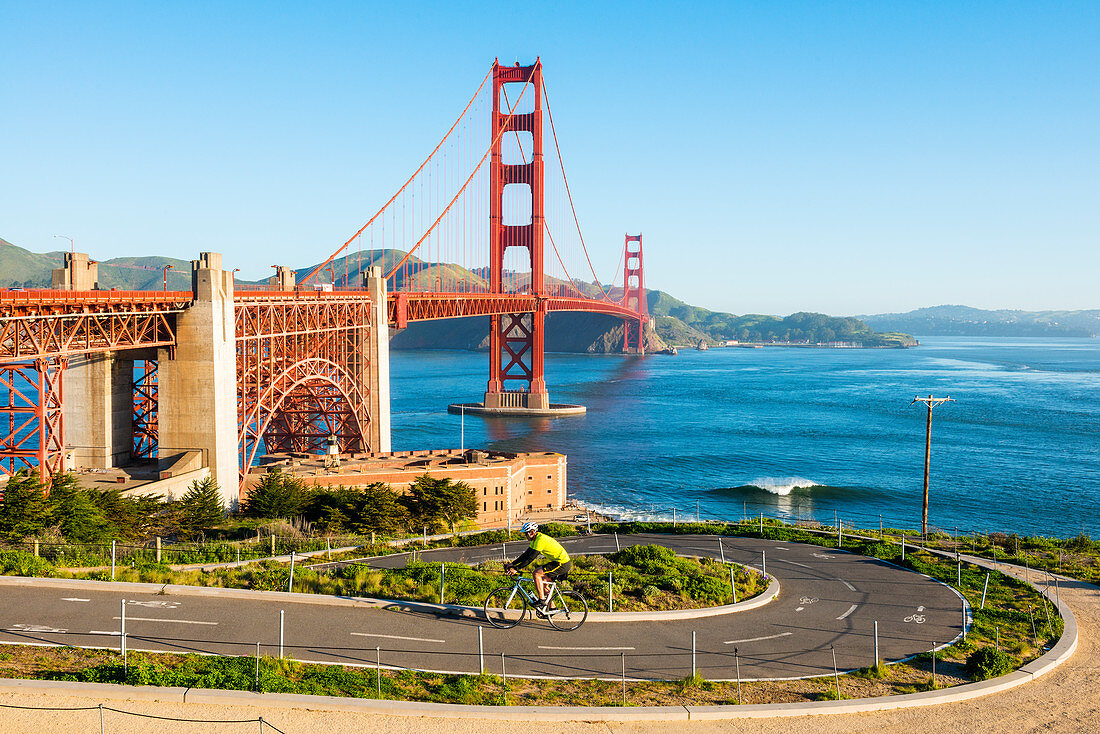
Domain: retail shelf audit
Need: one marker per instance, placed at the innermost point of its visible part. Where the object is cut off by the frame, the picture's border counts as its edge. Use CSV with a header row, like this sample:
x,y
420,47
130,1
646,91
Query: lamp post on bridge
x,y
166,269
930,402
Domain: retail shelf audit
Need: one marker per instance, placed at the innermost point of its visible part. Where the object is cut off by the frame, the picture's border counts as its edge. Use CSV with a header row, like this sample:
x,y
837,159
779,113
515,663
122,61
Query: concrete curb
x,y
1057,655
455,610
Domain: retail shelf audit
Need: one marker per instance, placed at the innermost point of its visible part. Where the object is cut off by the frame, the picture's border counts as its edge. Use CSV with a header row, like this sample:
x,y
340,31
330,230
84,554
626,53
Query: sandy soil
x,y
1066,700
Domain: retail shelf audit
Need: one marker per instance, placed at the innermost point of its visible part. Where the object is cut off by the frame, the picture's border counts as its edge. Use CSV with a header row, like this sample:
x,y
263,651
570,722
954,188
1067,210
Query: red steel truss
x,y
634,292
303,372
48,324
144,416
33,431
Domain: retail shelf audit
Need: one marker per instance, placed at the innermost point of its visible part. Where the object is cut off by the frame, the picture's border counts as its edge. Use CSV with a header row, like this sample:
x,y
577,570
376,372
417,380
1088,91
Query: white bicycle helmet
x,y
529,526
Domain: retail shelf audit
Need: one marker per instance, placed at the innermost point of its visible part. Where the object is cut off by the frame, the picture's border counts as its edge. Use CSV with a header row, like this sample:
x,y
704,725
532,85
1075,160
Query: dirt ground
x,y
1065,700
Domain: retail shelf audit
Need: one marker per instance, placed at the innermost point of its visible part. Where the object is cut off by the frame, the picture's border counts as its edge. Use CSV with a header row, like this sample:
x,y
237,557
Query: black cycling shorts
x,y
556,571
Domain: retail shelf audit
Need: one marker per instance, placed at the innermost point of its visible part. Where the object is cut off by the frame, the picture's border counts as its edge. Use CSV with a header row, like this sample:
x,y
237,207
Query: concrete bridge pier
x,y
98,410
198,379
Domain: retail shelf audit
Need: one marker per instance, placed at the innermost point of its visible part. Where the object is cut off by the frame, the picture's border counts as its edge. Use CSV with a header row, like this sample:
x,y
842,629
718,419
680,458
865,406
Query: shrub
x,y
989,662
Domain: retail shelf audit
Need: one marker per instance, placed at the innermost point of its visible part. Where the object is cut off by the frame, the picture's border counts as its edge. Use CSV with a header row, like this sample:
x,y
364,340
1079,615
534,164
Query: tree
x,y
432,501
25,509
380,510
279,494
75,512
134,518
201,506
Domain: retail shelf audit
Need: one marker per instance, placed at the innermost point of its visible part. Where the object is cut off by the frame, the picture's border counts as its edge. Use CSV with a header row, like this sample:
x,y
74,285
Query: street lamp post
x,y
166,269
930,402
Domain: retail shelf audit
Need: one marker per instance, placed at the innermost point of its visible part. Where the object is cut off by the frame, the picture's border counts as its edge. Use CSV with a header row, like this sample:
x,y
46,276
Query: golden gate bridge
x,y
485,226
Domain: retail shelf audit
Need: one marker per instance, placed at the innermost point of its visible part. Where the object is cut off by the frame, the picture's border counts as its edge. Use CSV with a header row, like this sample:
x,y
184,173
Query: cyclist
x,y
556,569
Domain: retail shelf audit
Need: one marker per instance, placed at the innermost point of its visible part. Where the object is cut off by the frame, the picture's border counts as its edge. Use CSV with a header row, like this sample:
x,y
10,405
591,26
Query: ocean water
x,y
802,433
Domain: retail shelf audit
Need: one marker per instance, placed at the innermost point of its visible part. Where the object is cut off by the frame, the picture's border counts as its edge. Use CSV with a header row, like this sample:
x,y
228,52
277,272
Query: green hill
x,y
967,321
675,322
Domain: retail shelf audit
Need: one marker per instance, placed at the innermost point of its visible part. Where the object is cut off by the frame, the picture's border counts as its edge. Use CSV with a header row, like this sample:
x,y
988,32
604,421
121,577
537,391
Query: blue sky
x,y
837,157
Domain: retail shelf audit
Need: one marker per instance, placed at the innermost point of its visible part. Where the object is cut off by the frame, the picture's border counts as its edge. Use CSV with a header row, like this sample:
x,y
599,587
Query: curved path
x,y
829,604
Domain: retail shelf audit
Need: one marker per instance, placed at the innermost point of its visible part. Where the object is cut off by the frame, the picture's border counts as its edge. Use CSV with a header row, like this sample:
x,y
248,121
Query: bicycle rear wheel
x,y
570,613
505,607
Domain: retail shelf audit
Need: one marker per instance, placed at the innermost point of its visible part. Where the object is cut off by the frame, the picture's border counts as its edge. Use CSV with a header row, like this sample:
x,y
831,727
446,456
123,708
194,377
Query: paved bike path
x,y
830,599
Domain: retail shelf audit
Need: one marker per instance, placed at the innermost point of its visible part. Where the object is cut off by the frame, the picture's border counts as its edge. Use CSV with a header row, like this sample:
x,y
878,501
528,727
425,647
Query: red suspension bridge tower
x,y
516,340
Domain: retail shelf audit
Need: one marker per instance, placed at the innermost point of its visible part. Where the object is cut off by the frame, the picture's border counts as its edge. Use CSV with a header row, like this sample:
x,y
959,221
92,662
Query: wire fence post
x,y
836,675
158,550
623,655
839,533
721,551
964,621
290,581
693,653
425,531
764,563
733,586
610,599
761,524
504,678
261,725
442,571
673,517
328,548
880,527
877,658
122,629
617,546
273,544
958,571
238,555
737,666
100,718
933,665
1034,637
480,651
256,680
281,616
378,669
112,560
903,546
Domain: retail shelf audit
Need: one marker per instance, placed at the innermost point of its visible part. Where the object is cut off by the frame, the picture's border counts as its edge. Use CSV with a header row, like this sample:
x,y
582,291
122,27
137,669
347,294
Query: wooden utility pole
x,y
930,402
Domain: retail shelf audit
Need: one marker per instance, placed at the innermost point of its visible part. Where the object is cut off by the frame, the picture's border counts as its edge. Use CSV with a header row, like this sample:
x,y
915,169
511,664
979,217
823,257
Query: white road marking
x,y
33,628
781,547
793,563
920,609
850,587
396,637
757,639
550,647
104,632
799,609
850,610
156,619
153,604
73,598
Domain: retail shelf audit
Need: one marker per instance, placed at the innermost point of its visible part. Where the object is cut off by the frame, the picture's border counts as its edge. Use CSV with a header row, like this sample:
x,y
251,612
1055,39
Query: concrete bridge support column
x,y
198,383
97,409
379,362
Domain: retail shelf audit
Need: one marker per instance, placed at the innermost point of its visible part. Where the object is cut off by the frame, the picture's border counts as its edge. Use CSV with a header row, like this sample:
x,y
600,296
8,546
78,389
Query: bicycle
x,y
507,606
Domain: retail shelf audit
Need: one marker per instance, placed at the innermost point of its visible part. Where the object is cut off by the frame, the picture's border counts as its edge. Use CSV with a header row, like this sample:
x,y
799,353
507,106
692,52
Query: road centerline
x,y
396,637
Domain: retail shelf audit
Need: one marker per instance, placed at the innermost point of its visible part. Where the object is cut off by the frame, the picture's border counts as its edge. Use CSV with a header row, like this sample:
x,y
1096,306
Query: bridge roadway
x,y
829,599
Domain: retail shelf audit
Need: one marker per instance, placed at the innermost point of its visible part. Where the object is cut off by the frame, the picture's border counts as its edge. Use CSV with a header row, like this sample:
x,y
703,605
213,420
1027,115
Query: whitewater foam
x,y
781,486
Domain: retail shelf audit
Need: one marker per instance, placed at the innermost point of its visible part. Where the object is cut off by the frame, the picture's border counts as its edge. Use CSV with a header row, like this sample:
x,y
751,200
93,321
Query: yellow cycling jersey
x,y
549,547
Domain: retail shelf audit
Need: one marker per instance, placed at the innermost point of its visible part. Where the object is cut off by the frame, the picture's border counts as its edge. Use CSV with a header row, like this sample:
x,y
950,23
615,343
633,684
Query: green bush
x,y
989,662
21,563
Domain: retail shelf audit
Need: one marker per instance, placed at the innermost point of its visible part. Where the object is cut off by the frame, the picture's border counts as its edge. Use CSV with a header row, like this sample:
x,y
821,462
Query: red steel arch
x,y
303,371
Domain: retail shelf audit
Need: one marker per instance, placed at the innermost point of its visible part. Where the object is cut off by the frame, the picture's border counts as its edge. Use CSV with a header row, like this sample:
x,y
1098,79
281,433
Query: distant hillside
x,y
967,321
675,321
717,327
21,268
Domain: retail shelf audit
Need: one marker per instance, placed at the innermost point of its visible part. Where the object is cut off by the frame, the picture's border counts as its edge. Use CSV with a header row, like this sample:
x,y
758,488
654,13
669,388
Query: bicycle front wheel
x,y
505,607
570,613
